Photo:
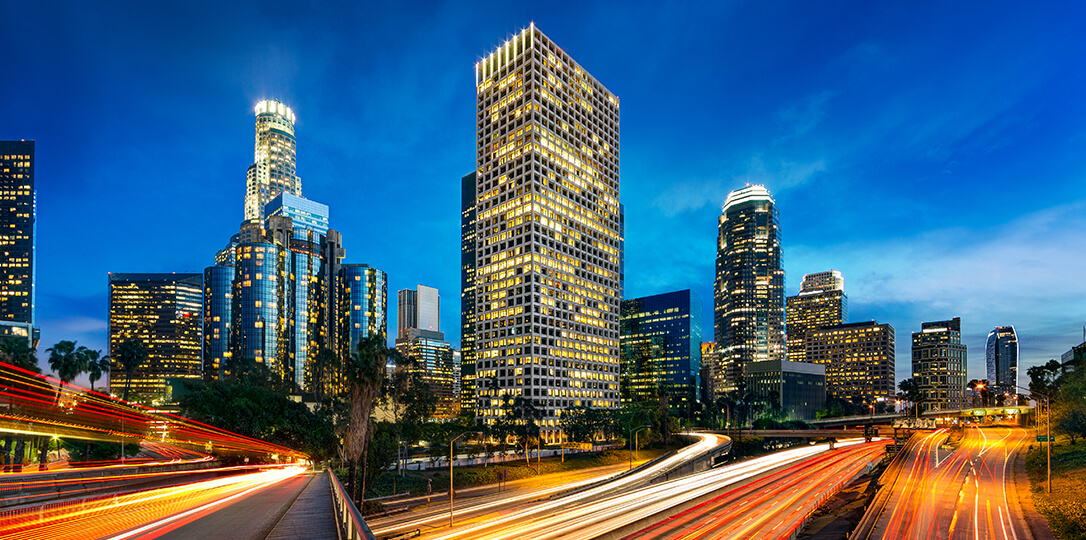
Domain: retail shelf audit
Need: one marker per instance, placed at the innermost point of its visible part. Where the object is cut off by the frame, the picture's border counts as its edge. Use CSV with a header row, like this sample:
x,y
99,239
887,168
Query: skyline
x,y
866,132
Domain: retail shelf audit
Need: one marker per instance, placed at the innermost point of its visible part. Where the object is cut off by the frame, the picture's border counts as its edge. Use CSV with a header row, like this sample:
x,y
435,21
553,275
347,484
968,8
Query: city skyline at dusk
x,y
930,154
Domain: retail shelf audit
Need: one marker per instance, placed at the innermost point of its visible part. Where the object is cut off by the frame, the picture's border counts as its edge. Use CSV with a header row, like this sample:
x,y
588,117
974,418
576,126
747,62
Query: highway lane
x,y
152,513
604,510
958,494
773,506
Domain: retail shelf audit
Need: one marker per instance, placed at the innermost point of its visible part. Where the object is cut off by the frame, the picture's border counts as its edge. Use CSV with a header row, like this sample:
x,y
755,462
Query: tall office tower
x,y
710,366
859,360
548,232
419,337
821,303
218,296
18,227
749,288
418,308
163,312
467,293
1001,359
362,305
660,350
303,213
939,363
274,168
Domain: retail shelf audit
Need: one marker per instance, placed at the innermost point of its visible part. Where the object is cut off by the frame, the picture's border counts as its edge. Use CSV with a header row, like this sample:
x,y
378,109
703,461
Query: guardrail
x,y
348,519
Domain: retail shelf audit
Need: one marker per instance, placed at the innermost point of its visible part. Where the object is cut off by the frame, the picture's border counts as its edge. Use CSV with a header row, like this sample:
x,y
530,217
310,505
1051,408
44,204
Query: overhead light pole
x,y
451,471
1048,437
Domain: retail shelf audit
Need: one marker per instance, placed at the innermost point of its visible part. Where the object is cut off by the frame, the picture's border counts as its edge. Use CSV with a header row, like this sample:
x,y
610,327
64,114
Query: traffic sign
x,y
1042,438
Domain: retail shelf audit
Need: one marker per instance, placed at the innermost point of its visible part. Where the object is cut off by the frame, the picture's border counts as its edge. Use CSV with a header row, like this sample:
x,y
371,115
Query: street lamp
x,y
1048,427
451,471
633,433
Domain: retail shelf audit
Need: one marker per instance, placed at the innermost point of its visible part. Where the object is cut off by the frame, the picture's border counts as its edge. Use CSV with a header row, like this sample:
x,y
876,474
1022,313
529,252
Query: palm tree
x,y
364,373
97,365
66,361
131,354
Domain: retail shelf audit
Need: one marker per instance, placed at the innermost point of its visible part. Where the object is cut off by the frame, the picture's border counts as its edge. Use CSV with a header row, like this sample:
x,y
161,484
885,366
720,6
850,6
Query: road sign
x,y
913,423
1042,438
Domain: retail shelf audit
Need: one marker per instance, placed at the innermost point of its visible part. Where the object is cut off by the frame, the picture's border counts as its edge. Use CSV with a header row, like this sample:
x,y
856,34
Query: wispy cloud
x,y
800,118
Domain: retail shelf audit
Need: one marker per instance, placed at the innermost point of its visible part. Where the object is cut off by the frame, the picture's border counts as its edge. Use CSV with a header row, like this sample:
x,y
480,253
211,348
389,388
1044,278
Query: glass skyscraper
x,y
548,232
661,349
749,288
274,168
163,311
218,296
18,228
467,292
1001,359
362,305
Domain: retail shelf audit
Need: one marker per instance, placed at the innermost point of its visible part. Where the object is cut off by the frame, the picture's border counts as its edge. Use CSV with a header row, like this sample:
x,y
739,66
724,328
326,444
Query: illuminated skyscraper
x,y
467,292
18,226
749,288
821,302
419,337
859,360
1001,359
661,349
548,232
418,308
163,311
274,168
362,305
939,364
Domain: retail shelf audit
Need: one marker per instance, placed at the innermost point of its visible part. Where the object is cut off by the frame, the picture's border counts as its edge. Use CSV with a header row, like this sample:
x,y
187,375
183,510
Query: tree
x,y
66,361
97,365
18,352
1044,379
524,429
580,424
364,373
131,354
910,391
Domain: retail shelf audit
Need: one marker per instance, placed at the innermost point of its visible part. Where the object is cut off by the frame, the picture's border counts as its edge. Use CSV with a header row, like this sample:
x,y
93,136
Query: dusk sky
x,y
933,153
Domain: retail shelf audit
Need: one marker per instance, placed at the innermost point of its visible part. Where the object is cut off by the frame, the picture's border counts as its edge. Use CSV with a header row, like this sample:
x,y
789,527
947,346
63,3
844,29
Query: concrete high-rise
x,y
821,302
419,337
548,232
467,293
418,308
1001,360
939,364
859,360
162,311
749,287
18,227
274,168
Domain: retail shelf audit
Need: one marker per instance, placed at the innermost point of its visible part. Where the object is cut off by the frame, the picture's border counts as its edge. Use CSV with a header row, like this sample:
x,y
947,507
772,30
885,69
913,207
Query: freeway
x,y
960,493
600,511
152,513
773,506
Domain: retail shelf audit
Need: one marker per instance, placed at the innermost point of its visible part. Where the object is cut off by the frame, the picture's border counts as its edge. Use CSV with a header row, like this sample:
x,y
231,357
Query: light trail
x,y
130,514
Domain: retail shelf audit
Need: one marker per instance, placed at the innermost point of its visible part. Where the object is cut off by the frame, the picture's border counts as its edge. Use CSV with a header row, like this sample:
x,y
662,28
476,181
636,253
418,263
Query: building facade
x,y
939,364
749,289
432,356
660,349
18,229
362,305
548,233
274,168
799,388
859,360
467,293
163,312
218,299
1001,360
821,302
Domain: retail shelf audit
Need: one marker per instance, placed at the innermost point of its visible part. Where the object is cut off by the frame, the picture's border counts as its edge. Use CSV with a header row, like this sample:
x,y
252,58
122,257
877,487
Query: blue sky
x,y
932,152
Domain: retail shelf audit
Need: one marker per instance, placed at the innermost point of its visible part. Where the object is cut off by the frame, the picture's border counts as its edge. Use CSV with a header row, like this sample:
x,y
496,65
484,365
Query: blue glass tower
x,y
660,348
362,305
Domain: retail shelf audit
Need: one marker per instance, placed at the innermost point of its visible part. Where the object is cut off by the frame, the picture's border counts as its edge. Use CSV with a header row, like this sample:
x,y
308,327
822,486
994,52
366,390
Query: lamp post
x,y
633,433
1048,427
451,471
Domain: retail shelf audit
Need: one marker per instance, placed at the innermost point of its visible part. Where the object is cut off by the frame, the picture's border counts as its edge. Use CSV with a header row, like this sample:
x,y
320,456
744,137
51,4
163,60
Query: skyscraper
x,y
661,349
18,227
859,360
418,308
162,311
821,302
419,337
274,168
1001,359
467,292
362,305
749,288
939,364
548,232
